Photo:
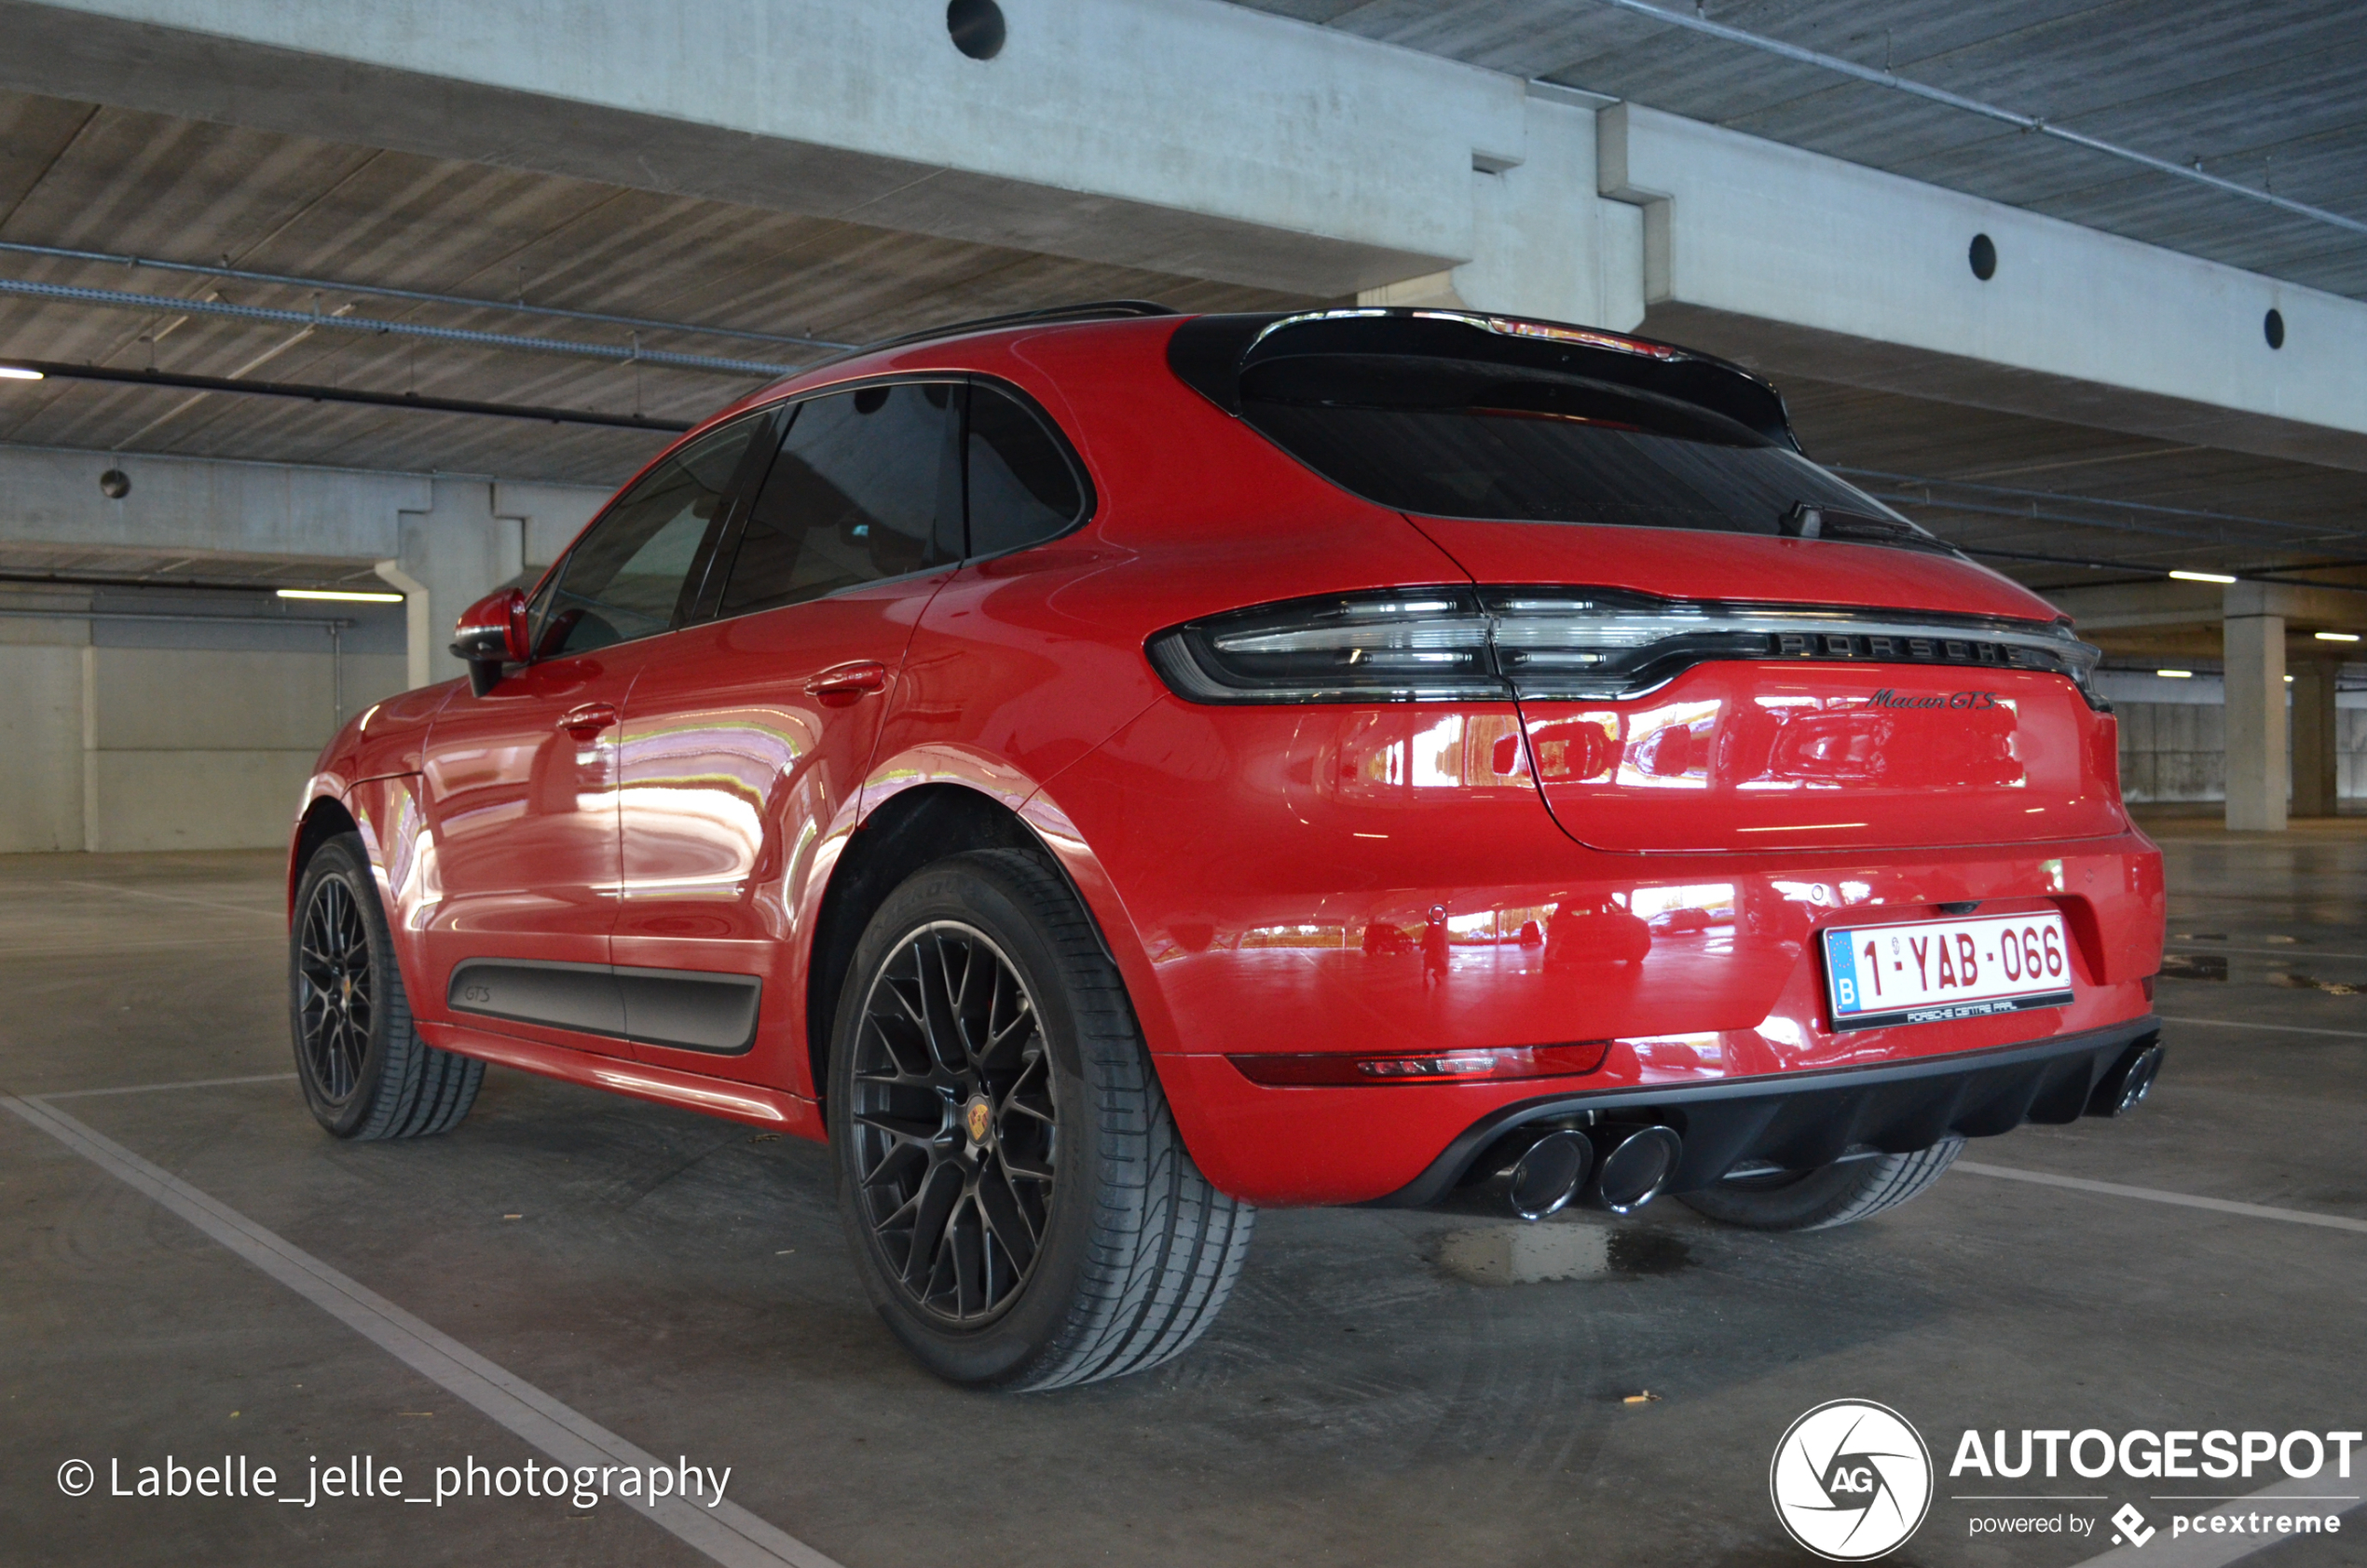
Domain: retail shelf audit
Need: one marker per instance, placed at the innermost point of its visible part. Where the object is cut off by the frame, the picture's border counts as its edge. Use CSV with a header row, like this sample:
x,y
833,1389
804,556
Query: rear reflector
x,y
1451,1066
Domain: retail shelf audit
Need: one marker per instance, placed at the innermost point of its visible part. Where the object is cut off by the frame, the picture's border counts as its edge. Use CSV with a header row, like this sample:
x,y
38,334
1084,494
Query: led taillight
x,y
1327,1068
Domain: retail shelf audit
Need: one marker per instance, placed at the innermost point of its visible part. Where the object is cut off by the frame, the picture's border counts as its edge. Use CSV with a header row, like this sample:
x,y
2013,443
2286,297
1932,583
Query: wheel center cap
x,y
978,1119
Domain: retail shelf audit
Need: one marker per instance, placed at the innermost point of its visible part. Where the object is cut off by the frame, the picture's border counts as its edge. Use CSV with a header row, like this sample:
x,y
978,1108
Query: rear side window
x,y
1453,439
626,577
1022,489
867,485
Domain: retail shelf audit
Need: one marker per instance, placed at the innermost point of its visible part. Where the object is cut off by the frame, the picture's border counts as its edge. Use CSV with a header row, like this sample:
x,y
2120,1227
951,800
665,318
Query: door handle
x,y
864,677
586,722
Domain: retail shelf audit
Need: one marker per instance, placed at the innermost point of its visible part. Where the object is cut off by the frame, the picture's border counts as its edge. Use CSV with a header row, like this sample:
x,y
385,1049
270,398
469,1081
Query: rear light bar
x,y
1450,1066
1459,644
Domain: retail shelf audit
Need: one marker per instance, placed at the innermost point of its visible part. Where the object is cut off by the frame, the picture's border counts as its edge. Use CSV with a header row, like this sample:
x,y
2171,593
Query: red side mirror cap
x,y
491,633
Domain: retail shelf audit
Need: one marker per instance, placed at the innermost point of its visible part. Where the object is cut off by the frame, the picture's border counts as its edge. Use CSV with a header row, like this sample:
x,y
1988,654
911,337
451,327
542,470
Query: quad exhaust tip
x,y
1636,1164
1618,1167
1548,1174
2124,1089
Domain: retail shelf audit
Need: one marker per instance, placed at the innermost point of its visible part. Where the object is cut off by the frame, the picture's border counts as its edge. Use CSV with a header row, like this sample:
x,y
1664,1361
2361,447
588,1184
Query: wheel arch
x,y
912,829
322,820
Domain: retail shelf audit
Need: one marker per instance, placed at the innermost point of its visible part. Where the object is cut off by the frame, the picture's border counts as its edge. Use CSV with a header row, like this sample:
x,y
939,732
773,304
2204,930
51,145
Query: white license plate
x,y
1933,971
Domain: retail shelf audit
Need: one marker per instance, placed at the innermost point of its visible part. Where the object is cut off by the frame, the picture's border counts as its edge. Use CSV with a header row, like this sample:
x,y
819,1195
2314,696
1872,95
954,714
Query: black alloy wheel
x,y
335,991
1022,1210
366,1071
956,1128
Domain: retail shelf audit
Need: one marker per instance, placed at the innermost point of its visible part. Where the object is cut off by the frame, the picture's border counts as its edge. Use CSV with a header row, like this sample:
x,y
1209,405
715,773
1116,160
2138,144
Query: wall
x,y
2174,738
174,735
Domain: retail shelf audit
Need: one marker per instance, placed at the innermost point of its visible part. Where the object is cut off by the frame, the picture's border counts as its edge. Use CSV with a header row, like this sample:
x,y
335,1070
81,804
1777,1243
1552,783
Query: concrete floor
x,y
681,1282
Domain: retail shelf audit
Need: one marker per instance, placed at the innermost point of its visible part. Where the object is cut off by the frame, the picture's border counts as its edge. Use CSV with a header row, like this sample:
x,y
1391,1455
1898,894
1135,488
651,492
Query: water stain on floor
x,y
1535,1254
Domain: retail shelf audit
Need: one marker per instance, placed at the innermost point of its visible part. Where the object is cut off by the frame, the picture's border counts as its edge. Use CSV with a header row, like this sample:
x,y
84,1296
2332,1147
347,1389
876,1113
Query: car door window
x,y
1022,489
865,486
628,575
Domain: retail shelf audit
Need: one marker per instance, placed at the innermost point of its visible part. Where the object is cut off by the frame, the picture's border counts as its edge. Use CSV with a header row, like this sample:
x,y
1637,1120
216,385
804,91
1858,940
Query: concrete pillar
x,y
451,555
2256,777
2316,743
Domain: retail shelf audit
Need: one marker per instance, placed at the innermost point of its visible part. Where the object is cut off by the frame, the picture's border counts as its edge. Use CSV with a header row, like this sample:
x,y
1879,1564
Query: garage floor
x,y
1367,1398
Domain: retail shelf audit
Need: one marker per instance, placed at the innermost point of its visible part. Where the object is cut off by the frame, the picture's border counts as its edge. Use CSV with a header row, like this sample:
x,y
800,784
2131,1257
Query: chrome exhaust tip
x,y
1634,1164
2124,1089
1548,1175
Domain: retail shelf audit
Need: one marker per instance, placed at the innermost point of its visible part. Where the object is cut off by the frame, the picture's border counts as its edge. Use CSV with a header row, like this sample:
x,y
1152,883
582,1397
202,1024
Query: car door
x,y
744,750
521,783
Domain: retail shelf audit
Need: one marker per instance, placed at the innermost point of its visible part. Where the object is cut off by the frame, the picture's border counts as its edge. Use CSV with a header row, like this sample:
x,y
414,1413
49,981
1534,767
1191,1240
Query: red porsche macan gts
x,y
1103,770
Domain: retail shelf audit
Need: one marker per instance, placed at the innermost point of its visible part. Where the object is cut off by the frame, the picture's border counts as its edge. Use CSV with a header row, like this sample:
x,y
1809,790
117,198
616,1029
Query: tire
x,y
989,1088
1829,1195
366,1071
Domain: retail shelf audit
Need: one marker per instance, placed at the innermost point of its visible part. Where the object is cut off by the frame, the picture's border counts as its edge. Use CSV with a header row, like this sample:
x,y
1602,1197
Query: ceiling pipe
x,y
54,370
117,299
462,302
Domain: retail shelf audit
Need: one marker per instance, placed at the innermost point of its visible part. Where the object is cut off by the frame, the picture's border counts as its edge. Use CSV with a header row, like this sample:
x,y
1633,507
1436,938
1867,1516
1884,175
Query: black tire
x,y
1028,1107
366,1071
1829,1195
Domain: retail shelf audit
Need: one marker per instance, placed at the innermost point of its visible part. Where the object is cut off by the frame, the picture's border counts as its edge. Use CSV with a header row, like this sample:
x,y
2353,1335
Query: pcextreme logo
x,y
1850,1481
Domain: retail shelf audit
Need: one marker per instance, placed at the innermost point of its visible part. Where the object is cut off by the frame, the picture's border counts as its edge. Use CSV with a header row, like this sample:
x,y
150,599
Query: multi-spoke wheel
x,y
332,990
1021,1207
956,1131
366,1071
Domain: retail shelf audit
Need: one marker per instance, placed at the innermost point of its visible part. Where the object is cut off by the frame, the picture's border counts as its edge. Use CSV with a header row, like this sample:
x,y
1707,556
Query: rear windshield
x,y
1458,439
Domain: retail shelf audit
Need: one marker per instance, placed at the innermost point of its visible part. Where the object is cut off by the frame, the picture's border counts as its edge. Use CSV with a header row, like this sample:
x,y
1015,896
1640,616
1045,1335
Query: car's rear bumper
x,y
1802,1120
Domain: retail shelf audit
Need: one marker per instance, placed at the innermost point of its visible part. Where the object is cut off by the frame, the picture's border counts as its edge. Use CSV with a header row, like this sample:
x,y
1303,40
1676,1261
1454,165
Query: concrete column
x,y
452,556
2316,743
2256,776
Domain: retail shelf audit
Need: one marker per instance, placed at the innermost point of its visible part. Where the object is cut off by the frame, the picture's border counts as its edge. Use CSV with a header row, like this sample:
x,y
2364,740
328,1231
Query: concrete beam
x,y
1183,135
445,542
2128,606
1790,259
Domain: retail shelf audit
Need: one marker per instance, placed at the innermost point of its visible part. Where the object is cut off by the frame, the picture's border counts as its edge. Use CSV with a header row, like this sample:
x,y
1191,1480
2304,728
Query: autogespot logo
x,y
1850,1481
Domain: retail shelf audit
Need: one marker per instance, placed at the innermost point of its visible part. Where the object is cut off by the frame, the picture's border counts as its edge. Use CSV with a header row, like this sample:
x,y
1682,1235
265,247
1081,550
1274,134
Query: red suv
x,y
1106,770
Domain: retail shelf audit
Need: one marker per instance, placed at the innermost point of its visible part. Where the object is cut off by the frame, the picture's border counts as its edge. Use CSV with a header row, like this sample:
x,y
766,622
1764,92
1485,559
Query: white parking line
x,y
161,1088
279,915
2275,1028
2203,1550
727,1533
2155,1195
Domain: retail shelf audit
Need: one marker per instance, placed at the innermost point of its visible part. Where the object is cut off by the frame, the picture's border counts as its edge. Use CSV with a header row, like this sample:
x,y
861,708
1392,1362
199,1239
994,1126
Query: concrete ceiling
x,y
75,174
82,176
2264,93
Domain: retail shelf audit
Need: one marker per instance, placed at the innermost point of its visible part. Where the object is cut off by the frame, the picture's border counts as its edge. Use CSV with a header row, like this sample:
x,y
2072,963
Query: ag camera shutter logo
x,y
1850,1481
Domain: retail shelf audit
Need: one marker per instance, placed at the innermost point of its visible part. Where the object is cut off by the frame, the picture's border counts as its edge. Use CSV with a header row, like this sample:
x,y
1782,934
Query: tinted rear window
x,y
1452,439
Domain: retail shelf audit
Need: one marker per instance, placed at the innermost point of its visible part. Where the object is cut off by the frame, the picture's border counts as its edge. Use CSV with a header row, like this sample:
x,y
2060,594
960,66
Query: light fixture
x,y
2335,637
2202,576
19,372
2175,674
343,595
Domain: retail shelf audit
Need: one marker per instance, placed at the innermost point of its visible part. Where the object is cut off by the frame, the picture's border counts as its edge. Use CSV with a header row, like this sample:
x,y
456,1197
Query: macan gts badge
x,y
1105,771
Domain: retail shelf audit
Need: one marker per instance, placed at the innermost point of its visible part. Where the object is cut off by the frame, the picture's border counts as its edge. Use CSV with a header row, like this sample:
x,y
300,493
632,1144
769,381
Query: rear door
x,y
743,751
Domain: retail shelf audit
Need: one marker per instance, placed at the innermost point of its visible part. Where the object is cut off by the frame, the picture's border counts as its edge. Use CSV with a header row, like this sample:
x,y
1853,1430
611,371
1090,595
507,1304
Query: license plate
x,y
1933,971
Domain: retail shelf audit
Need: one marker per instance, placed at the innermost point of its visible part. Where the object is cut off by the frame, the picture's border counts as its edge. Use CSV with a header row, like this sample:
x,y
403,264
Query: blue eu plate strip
x,y
1843,967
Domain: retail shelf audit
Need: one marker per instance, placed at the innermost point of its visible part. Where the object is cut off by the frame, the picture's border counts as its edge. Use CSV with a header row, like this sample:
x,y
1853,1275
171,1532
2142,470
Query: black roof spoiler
x,y
1211,353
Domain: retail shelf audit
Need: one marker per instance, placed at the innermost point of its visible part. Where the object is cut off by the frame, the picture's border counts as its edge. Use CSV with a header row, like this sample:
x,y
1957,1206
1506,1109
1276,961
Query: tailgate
x,y
1763,755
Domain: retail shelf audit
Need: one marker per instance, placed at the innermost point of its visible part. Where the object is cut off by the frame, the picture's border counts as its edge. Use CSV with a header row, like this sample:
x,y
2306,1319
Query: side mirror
x,y
491,632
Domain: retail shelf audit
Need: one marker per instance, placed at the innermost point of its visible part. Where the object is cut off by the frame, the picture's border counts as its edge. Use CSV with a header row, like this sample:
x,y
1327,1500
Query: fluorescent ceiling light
x,y
2202,576
2175,674
2335,637
344,595
17,373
